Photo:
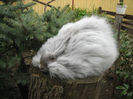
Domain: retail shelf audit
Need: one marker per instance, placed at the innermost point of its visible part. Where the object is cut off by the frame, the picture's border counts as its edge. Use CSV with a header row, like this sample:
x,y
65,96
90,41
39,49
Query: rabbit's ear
x,y
42,60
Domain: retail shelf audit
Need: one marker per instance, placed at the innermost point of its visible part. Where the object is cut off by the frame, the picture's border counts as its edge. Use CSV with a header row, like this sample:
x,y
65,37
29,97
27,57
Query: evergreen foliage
x,y
21,29
13,41
55,18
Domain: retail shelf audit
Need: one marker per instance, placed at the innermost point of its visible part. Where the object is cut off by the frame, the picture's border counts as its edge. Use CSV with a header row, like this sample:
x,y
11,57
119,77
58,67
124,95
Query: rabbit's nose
x,y
46,72
44,69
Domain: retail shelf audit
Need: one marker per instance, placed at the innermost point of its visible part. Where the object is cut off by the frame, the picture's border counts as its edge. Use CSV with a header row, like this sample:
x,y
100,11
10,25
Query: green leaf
x,y
130,94
131,77
39,37
2,64
12,61
129,53
124,92
126,86
120,87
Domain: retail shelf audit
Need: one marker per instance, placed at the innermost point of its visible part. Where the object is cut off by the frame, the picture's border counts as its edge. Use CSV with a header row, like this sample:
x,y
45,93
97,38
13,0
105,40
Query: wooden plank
x,y
128,17
129,29
128,26
104,11
109,12
128,22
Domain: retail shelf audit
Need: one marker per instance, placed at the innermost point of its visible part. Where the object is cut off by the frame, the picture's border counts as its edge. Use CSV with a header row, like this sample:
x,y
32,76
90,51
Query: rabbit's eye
x,y
52,58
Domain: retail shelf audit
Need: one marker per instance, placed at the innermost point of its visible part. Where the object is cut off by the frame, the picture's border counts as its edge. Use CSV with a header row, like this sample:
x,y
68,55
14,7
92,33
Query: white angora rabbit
x,y
81,49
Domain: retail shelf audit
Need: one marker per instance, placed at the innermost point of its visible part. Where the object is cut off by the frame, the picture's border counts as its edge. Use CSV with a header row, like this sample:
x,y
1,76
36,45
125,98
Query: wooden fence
x,y
127,20
109,5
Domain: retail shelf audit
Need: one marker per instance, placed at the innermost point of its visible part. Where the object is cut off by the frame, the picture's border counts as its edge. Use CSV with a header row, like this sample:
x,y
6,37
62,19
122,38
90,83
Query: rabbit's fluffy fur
x,y
81,49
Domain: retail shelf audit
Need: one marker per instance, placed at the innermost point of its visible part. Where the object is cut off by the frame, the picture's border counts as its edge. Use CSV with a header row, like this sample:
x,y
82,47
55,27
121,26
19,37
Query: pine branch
x,y
5,51
8,1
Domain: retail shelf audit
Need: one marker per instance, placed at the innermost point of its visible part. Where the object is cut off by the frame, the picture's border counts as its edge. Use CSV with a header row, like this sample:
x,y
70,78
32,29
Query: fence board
x,y
109,5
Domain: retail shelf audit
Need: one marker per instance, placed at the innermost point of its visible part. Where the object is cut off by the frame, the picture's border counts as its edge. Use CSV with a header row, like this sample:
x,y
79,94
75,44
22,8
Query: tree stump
x,y
44,87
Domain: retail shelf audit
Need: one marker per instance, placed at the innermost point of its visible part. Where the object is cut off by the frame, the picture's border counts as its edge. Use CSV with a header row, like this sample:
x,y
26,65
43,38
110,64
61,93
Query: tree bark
x,y
44,87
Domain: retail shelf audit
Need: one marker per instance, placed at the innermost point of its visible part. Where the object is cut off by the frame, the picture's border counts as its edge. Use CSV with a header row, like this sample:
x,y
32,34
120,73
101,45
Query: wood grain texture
x,y
109,5
44,87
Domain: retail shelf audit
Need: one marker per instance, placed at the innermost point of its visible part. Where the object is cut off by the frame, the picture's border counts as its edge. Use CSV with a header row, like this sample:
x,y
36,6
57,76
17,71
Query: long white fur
x,y
84,48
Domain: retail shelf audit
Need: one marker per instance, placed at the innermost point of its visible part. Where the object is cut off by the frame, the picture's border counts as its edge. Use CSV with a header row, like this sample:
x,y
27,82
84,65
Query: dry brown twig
x,y
45,4
48,4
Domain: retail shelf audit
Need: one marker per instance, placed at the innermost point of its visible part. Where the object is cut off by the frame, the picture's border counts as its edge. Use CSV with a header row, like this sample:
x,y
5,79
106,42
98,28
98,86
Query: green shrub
x,y
125,70
79,13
